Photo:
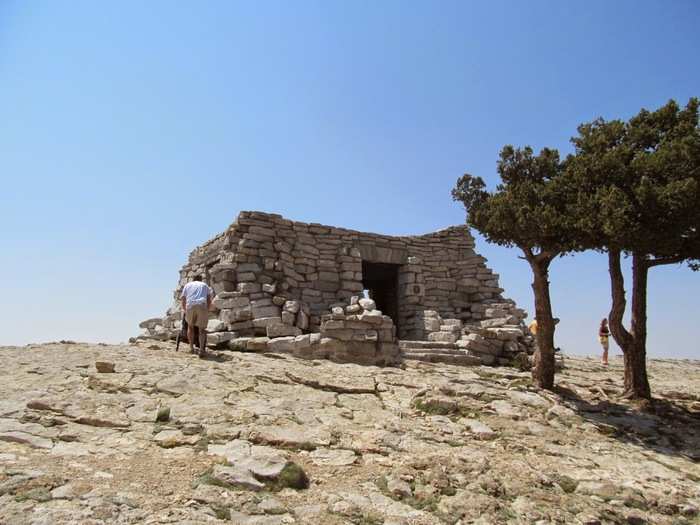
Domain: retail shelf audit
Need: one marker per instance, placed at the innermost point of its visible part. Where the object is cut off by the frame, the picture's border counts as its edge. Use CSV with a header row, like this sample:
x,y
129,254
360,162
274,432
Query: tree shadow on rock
x,y
663,426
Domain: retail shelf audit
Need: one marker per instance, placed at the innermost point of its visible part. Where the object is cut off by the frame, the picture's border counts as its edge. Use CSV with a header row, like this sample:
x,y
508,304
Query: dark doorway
x,y
382,281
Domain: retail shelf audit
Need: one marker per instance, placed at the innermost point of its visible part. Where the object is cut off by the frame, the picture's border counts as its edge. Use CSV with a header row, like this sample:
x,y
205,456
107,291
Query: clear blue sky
x,y
133,131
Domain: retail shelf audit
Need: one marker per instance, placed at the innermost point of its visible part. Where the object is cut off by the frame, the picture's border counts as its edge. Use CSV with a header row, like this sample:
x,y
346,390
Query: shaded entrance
x,y
382,282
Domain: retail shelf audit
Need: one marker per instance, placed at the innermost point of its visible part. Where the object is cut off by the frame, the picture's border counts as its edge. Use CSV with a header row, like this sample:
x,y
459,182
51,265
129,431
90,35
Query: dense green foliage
x,y
528,208
638,183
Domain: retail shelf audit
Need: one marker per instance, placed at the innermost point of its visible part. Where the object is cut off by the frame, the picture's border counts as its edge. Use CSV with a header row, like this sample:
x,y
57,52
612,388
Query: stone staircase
x,y
436,352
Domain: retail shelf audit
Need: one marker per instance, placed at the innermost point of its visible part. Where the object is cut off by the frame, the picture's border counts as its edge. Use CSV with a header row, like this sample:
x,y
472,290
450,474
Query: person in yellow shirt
x,y
533,327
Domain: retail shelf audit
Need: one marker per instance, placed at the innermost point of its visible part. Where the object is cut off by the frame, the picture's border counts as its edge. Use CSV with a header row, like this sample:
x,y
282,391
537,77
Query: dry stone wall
x,y
276,278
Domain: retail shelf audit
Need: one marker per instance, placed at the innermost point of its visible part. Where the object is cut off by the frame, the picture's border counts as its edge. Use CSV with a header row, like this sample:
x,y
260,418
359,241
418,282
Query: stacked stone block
x,y
359,321
277,278
498,338
352,333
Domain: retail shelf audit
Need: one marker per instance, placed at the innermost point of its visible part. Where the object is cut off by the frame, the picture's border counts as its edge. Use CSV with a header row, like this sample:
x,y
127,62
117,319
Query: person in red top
x,y
603,337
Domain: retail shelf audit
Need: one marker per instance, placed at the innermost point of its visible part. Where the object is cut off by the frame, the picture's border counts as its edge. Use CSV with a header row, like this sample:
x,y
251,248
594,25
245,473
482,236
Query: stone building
x,y
322,291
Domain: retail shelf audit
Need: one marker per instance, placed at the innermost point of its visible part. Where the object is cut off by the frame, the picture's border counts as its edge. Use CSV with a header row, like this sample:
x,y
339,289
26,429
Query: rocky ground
x,y
271,439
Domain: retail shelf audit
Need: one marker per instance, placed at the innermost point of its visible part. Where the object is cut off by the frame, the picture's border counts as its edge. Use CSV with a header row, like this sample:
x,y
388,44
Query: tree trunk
x,y
632,343
617,288
543,369
636,380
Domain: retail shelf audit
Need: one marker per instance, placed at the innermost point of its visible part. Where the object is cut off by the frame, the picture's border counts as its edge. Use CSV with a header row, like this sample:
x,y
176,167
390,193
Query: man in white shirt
x,y
196,298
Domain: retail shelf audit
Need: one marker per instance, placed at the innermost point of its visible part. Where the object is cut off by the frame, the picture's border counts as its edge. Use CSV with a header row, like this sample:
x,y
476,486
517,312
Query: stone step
x,y
437,351
450,359
426,344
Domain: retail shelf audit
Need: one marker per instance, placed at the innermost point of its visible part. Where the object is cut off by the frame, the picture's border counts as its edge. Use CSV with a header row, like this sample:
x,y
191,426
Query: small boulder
x,y
479,429
163,414
235,477
271,505
521,361
367,304
104,367
333,457
281,330
174,438
216,325
398,487
603,489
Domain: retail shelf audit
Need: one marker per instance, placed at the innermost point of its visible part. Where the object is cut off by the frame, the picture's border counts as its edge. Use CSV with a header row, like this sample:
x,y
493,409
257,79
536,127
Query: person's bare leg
x,y
605,354
190,337
202,342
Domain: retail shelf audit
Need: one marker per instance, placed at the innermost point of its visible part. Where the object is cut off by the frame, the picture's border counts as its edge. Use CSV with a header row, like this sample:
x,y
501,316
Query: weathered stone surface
x,y
33,441
333,324
373,317
282,330
398,487
216,325
151,323
241,326
239,343
174,438
367,304
445,337
353,309
67,491
226,300
292,436
479,429
220,338
261,461
175,385
261,312
302,342
372,451
333,457
505,409
302,320
602,489
281,344
292,306
289,318
529,399
249,288
236,477
357,383
257,344
262,322
271,505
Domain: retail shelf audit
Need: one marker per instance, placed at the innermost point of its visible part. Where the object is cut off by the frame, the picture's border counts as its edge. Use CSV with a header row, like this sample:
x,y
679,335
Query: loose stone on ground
x,y
245,438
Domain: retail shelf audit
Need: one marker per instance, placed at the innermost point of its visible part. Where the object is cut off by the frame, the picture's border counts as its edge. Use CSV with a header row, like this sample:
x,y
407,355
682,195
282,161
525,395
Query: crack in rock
x,y
332,386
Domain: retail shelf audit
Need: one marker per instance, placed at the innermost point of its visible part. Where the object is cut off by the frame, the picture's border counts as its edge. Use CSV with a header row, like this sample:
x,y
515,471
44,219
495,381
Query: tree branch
x,y
543,257
529,256
546,256
665,260
619,303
